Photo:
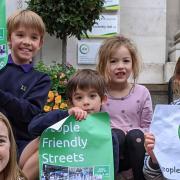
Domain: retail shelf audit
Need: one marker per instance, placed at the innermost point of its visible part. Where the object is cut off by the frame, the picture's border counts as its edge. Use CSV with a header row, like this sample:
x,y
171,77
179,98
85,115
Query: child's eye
x,y
34,37
19,35
112,61
2,141
126,60
93,95
78,98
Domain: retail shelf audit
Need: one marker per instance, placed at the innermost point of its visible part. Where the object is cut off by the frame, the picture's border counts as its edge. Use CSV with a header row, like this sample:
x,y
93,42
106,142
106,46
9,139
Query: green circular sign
x,y
84,49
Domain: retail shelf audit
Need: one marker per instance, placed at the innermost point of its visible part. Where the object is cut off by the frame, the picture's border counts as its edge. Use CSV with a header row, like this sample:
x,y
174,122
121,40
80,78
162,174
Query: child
x,y
151,168
23,91
9,169
174,84
128,104
86,93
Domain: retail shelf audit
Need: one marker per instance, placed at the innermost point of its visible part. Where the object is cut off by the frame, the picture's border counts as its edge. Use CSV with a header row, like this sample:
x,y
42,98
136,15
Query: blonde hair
x,y
11,171
176,79
28,19
107,49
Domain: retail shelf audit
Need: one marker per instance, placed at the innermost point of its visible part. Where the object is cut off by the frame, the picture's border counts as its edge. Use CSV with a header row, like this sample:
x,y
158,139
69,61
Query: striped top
x,y
176,102
151,173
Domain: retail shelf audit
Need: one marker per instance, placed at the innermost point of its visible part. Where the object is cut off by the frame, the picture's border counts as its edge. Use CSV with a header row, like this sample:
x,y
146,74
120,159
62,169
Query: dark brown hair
x,y
85,79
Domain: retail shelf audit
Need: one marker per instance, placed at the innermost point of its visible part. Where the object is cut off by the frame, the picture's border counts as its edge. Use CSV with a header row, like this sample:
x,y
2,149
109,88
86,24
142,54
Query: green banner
x,y
72,150
3,35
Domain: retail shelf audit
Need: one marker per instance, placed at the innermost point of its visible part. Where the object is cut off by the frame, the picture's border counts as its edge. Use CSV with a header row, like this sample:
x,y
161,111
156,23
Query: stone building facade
x,y
153,25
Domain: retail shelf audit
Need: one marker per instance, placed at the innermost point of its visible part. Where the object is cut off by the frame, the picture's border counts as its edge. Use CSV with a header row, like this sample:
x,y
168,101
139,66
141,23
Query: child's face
x,y
120,65
4,146
88,100
24,44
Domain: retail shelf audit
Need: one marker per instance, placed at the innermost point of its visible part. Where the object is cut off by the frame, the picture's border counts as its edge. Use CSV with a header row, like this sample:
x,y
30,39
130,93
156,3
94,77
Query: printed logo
x,y
2,51
102,170
23,88
2,64
84,49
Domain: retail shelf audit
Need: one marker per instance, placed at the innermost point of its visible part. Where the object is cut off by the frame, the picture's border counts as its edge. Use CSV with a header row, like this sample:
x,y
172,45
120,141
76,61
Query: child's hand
x,y
78,113
149,142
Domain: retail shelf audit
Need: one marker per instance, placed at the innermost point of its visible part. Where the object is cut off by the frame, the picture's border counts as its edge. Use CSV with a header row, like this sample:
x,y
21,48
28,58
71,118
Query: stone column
x,y
145,22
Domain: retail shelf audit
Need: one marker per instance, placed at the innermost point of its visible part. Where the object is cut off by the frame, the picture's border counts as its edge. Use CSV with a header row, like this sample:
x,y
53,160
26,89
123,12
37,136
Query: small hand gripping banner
x,y
73,150
166,128
3,35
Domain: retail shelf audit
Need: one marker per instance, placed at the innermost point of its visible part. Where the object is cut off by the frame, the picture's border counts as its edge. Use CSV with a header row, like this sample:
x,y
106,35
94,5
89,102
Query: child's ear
x,y
104,99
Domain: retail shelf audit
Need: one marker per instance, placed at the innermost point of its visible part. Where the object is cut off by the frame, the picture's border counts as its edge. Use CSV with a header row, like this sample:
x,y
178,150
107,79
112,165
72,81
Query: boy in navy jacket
x,y
23,91
86,93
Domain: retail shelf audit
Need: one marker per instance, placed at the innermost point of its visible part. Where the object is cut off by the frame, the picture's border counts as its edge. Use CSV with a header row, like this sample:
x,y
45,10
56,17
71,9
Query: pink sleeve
x,y
147,112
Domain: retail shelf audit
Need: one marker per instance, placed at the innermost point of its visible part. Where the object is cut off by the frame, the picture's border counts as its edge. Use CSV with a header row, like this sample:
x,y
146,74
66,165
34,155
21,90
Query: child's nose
x,y
27,41
120,64
86,101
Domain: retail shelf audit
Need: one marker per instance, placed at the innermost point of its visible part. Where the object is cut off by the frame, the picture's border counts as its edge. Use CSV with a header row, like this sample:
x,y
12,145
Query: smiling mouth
x,y
25,50
120,73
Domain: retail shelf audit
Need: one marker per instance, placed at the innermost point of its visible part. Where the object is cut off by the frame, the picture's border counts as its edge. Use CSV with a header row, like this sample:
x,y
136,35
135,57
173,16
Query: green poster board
x,y
75,150
3,35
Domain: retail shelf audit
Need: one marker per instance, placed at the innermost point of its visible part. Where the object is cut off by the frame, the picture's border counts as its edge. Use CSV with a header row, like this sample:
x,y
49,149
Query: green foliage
x,y
58,74
65,18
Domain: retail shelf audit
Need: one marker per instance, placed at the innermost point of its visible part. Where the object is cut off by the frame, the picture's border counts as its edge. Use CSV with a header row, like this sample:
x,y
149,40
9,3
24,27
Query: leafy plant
x,y
65,18
59,76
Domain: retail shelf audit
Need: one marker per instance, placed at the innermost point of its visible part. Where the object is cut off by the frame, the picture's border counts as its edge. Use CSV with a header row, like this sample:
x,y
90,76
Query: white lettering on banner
x,y
49,158
57,143
66,128
171,170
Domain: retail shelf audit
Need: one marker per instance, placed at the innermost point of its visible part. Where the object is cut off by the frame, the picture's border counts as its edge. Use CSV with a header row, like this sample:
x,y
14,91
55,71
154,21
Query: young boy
x,y
86,93
23,91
